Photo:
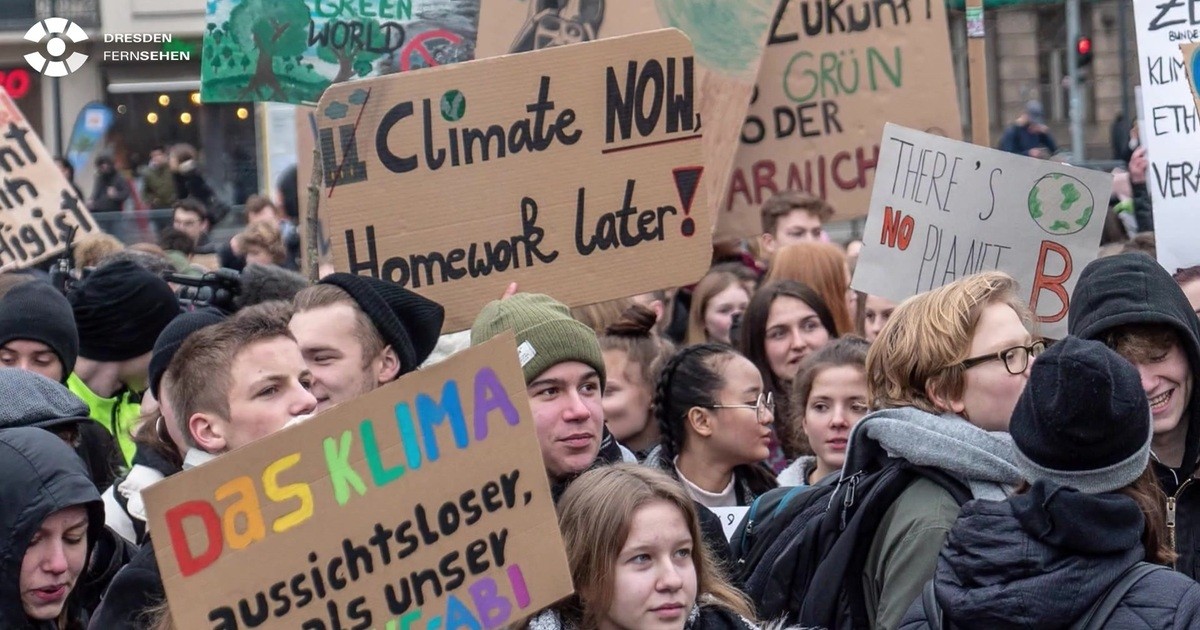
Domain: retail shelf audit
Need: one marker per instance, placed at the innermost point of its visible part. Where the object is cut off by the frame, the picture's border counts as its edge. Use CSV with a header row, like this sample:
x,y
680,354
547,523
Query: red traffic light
x,y
1084,46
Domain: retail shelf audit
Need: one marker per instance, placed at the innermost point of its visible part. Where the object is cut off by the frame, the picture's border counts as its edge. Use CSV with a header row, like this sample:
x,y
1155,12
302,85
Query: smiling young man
x,y
564,378
1134,306
358,333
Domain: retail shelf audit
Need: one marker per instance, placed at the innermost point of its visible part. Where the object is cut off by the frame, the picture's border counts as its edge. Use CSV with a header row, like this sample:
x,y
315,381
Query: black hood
x,y
1036,560
1135,289
42,475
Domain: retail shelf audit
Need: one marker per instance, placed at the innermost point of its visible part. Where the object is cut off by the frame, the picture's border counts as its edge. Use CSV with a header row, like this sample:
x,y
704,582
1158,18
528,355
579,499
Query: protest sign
x,y
291,50
1170,132
423,503
38,206
728,38
943,209
1191,61
731,518
829,81
574,171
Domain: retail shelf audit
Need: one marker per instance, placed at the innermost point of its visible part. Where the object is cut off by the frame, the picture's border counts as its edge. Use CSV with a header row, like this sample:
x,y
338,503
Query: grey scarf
x,y
982,459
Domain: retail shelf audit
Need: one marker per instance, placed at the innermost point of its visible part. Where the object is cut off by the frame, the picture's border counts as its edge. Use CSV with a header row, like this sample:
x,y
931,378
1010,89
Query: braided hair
x,y
689,379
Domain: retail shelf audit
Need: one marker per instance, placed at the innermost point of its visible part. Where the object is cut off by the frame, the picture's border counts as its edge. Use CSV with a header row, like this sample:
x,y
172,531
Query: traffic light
x,y
1083,50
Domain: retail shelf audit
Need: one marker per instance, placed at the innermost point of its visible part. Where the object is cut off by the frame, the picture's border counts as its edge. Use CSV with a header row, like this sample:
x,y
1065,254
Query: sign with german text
x,y
832,75
39,208
1170,129
728,38
291,50
422,504
943,209
574,171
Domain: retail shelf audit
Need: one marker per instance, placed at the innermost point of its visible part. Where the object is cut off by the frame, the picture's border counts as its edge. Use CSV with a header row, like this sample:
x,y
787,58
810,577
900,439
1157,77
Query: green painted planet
x,y
1061,204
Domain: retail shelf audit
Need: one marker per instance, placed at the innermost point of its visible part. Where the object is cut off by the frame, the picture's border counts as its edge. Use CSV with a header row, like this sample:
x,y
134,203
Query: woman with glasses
x,y
715,417
945,375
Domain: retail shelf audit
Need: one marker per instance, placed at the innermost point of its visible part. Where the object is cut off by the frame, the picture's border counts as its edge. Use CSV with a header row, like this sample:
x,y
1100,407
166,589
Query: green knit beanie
x,y
546,333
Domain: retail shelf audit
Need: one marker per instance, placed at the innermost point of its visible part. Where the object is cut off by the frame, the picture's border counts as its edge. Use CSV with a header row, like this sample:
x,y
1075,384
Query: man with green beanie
x,y
564,378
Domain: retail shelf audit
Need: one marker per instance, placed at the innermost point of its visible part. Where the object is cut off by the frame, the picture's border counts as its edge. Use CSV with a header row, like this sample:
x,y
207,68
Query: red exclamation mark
x,y
687,180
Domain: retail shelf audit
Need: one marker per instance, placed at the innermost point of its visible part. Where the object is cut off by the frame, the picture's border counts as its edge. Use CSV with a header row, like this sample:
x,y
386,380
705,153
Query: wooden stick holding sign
x,y
981,124
422,504
38,206
943,209
575,171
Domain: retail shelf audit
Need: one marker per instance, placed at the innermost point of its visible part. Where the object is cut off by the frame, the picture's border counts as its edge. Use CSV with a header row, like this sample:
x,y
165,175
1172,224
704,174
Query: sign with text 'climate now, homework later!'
x,y
38,206
422,504
574,171
943,209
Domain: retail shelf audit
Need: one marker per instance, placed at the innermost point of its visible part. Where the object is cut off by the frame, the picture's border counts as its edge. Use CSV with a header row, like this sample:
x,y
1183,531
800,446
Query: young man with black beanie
x,y
120,309
358,333
1133,305
1046,556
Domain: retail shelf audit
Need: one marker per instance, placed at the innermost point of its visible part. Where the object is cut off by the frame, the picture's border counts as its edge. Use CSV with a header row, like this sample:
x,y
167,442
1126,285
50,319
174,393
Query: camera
x,y
217,289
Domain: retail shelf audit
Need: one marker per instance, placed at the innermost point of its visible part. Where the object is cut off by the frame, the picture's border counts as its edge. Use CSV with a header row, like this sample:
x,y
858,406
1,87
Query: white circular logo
x,y
51,35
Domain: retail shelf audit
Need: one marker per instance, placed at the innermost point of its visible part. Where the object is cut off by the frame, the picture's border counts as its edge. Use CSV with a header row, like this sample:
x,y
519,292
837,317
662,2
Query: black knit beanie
x,y
173,336
36,311
1083,420
409,323
120,309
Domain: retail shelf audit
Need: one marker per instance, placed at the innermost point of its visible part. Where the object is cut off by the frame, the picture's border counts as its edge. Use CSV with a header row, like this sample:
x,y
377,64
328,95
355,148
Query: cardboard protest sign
x,y
943,209
291,50
829,81
423,502
1170,132
575,171
728,38
38,206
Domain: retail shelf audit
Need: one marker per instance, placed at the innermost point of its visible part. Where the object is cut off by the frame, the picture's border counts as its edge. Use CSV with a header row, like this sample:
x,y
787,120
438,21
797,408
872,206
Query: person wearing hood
x,y
1090,512
1132,304
945,375
52,516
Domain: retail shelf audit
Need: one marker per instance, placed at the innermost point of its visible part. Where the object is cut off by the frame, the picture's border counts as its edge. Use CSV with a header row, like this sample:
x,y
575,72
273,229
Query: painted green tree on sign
x,y
272,29
353,59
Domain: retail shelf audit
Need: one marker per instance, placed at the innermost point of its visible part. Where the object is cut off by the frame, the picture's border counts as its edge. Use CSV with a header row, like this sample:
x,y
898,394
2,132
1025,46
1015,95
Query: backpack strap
x,y
1098,615
933,611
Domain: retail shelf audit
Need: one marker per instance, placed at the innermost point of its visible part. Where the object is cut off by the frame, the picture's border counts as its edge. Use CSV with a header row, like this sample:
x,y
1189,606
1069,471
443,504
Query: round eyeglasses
x,y
764,407
1015,359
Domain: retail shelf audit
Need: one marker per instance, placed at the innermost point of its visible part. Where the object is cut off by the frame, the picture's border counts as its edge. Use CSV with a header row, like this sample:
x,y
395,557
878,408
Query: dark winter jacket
x,y
1043,558
190,184
136,589
1020,139
102,200
42,475
1135,289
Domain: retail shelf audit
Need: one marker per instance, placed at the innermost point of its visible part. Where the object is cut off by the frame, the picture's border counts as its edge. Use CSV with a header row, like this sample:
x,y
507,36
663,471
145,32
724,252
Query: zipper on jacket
x,y
1171,503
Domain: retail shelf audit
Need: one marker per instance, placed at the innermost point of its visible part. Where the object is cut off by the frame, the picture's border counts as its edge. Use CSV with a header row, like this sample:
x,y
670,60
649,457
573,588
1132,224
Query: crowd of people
x,y
987,477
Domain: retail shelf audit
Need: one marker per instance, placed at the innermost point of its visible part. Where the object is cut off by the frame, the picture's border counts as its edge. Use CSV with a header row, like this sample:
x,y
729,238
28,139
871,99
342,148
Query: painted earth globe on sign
x,y
1061,204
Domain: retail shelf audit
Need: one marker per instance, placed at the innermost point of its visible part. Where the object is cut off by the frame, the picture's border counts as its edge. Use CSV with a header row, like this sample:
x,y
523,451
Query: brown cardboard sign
x,y
728,37
38,206
830,79
575,171
421,504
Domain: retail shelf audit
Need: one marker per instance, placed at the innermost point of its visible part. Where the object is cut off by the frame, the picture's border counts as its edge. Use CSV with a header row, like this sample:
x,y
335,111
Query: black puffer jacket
x,y
42,475
1135,289
1041,560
